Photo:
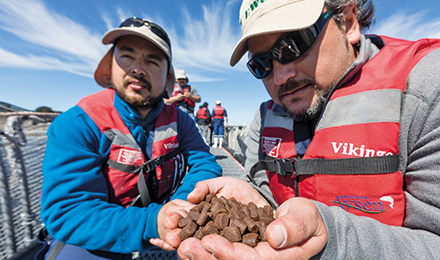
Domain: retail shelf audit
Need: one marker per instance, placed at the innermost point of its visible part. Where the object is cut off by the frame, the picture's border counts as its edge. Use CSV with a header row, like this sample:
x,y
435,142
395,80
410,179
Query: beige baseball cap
x,y
150,31
272,16
180,74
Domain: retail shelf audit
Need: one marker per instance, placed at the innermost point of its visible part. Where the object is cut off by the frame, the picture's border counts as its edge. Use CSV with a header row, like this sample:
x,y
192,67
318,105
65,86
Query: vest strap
x,y
359,165
55,251
148,167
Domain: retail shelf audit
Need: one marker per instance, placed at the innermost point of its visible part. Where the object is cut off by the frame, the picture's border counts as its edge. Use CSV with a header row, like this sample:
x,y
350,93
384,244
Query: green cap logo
x,y
252,7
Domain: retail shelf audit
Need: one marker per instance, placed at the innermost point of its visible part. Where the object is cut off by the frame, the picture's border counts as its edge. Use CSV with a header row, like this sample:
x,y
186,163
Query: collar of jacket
x,y
130,114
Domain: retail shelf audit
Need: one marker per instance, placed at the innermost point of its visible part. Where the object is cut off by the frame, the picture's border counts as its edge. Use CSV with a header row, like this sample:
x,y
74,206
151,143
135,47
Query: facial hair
x,y
138,101
312,112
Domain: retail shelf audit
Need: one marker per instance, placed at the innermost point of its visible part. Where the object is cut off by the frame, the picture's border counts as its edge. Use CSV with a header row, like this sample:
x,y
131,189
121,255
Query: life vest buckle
x,y
285,167
149,166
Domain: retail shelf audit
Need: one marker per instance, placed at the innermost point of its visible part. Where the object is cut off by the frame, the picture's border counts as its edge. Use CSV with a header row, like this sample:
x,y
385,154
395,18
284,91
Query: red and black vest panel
x,y
219,112
125,152
178,89
201,113
361,121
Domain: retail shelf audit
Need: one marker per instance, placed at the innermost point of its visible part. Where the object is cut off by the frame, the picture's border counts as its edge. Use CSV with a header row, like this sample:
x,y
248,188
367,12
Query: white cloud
x,y
206,43
72,46
202,43
409,26
9,59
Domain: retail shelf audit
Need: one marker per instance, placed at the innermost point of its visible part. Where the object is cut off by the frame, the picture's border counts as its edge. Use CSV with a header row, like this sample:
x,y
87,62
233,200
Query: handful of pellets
x,y
229,218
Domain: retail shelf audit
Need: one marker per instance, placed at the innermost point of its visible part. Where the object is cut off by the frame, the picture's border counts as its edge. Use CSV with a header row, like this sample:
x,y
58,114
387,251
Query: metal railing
x,y
235,142
22,145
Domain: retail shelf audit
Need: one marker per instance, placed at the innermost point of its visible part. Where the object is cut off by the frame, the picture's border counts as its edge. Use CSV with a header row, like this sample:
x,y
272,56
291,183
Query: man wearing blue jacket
x,y
120,161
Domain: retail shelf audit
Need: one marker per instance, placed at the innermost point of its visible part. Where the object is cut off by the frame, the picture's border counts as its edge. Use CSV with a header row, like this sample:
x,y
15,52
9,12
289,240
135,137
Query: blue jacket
x,y
74,198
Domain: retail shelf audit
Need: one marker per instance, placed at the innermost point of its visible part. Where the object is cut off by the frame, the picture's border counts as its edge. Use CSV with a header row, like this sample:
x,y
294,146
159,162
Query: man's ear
x,y
171,79
350,24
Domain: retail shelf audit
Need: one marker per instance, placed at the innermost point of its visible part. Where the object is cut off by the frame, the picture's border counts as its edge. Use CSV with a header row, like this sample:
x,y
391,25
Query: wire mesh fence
x,y
22,146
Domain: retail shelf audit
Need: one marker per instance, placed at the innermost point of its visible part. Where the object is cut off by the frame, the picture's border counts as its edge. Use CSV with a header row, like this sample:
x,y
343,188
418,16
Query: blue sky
x,y
50,48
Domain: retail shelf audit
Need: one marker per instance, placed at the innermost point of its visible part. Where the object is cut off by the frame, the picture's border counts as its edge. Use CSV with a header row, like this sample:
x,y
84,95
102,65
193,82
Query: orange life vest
x,y
186,88
352,160
126,159
201,113
219,112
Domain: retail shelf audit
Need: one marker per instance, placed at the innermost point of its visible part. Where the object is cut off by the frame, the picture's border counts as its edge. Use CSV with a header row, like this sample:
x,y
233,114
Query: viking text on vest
x,y
350,149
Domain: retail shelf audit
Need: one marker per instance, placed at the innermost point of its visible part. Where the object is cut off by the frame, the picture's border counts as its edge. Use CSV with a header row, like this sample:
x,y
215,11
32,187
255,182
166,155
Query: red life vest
x,y
126,156
201,113
178,89
361,120
219,112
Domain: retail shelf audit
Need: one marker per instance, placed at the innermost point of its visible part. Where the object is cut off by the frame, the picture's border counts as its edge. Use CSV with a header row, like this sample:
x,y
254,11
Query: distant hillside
x,y
6,107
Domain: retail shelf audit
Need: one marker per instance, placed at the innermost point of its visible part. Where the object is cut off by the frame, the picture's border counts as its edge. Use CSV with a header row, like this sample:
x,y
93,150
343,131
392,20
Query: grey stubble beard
x,y
314,111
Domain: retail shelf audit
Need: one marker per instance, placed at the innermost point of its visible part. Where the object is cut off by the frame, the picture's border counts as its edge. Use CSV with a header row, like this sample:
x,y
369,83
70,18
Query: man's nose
x,y
283,72
138,68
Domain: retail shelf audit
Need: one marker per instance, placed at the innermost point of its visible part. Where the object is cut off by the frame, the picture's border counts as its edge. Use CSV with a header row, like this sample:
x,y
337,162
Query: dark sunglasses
x,y
156,29
288,48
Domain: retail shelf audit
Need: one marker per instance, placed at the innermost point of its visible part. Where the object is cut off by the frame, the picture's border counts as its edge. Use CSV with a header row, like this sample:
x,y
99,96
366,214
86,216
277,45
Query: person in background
x,y
203,120
184,96
220,121
129,161
348,146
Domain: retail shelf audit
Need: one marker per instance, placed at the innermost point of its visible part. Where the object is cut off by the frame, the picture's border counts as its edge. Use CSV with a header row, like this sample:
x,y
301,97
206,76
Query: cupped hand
x,y
168,221
221,186
298,232
227,187
298,224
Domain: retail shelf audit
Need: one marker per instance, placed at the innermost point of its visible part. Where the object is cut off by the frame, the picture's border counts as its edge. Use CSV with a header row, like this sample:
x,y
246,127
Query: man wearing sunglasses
x,y
347,148
121,160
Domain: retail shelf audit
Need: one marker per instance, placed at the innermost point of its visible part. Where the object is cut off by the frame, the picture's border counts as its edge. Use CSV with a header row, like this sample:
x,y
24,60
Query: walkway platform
x,y
231,167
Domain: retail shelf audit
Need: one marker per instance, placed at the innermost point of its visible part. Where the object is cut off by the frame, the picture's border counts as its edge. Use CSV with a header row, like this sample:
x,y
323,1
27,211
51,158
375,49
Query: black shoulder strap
x,y
359,165
150,167
147,167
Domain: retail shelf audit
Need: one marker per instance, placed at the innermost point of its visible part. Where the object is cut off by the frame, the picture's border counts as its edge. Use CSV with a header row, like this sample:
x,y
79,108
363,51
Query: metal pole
x,y
5,203
16,137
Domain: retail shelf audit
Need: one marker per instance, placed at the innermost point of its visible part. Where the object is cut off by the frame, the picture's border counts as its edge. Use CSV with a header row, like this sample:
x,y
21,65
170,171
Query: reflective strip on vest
x,y
364,111
121,139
